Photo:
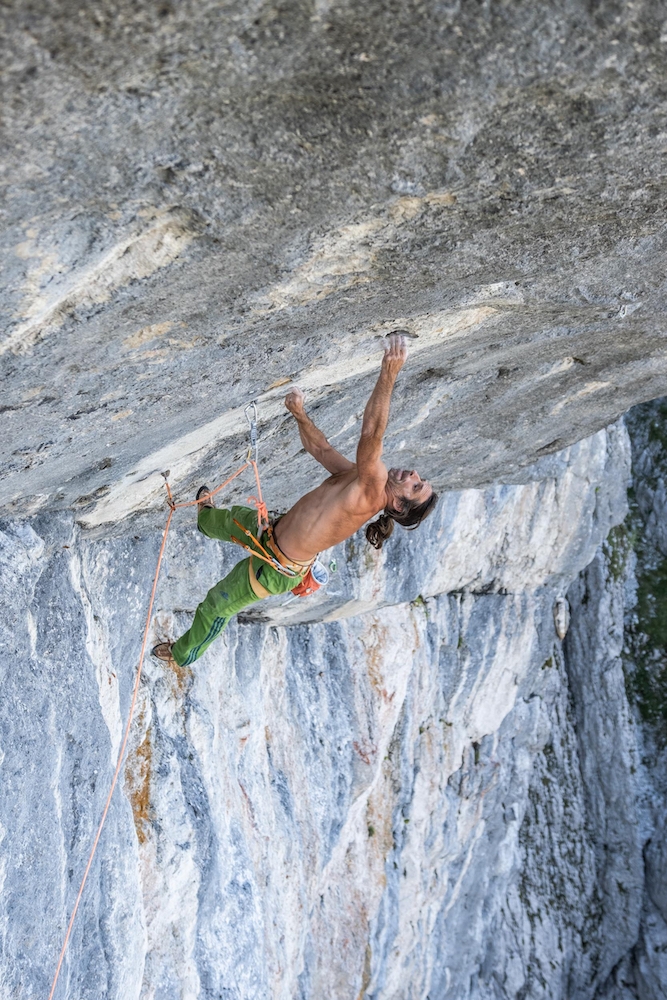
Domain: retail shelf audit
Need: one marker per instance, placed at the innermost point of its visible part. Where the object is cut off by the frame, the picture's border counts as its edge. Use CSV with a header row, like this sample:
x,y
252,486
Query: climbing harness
x,y
260,553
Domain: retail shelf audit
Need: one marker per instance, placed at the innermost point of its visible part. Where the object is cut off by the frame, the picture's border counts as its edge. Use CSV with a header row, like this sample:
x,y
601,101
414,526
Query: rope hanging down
x,y
262,525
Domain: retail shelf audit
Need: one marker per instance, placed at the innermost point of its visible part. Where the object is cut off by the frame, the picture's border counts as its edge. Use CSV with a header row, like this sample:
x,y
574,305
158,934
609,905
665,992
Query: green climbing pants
x,y
233,593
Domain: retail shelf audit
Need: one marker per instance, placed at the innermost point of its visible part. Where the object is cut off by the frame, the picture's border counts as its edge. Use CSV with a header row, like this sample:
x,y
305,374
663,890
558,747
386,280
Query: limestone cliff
x,y
407,787
386,802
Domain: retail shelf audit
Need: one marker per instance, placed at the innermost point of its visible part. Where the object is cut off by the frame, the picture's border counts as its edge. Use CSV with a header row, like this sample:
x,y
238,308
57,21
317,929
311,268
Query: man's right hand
x,y
294,402
395,354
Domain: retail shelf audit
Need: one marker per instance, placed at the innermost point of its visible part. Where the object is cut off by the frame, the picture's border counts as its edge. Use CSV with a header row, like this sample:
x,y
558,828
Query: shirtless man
x,y
353,493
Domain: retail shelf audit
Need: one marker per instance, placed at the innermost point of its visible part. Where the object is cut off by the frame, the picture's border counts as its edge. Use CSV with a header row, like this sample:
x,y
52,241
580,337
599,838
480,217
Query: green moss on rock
x,y
647,682
646,624
620,542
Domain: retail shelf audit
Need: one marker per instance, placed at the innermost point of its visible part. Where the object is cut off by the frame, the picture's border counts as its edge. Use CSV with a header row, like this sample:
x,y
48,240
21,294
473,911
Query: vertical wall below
x,y
426,799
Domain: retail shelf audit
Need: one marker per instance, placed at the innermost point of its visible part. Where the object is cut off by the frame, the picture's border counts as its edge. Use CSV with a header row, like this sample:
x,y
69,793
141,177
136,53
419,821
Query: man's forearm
x,y
311,436
313,439
376,414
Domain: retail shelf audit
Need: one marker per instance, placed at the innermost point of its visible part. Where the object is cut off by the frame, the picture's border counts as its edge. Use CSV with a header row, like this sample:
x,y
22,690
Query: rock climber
x,y
353,493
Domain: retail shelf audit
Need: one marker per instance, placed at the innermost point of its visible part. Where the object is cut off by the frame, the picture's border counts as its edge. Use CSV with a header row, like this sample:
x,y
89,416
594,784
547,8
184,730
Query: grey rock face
x,y
406,788
363,804
202,203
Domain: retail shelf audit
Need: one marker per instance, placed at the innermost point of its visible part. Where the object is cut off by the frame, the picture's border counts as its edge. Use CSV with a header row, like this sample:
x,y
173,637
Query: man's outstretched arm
x,y
376,414
313,439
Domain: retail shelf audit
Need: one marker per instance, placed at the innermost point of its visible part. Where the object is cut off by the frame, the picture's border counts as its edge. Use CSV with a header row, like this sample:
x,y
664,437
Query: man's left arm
x,y
376,414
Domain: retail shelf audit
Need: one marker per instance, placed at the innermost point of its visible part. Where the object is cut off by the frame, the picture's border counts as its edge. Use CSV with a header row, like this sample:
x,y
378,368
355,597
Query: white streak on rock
x,y
98,649
344,259
32,631
561,617
133,258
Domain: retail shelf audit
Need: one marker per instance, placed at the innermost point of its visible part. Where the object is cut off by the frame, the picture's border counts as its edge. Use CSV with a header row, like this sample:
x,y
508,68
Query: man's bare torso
x,y
328,515
355,491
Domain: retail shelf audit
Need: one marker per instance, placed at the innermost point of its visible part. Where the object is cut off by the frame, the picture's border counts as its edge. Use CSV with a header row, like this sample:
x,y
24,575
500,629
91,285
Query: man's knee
x,y
207,522
232,590
217,598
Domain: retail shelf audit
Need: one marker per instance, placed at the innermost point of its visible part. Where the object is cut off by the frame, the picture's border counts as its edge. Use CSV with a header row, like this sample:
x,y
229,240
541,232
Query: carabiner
x,y
252,423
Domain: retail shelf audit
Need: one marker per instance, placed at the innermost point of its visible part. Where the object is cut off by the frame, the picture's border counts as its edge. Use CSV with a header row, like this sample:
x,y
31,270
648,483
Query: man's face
x,y
408,484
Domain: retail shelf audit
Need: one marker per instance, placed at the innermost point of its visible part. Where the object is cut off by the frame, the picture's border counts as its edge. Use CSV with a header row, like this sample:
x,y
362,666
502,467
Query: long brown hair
x,y
411,517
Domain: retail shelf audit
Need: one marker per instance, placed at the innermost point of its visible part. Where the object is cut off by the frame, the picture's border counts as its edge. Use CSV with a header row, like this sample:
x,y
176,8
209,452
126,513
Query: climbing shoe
x,y
201,492
163,651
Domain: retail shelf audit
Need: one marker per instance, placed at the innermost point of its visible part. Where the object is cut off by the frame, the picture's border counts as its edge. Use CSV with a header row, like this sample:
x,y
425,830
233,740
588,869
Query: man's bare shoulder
x,y
346,476
328,514
358,490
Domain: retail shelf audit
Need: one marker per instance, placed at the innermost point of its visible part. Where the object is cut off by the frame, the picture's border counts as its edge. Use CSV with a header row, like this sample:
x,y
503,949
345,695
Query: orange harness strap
x,y
297,565
261,552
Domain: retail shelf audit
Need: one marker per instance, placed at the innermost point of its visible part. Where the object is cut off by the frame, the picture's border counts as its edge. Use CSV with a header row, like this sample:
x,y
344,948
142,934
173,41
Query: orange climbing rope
x,y
262,524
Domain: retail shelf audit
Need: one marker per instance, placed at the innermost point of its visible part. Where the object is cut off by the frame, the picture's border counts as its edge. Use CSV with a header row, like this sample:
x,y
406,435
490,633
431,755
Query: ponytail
x,y
411,517
379,531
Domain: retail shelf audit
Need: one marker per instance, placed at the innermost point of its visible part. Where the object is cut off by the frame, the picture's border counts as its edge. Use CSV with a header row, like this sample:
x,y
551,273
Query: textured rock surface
x,y
406,788
344,808
203,201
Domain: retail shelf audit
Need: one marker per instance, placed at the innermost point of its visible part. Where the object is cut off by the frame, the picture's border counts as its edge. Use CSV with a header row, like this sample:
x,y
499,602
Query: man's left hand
x,y
395,354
